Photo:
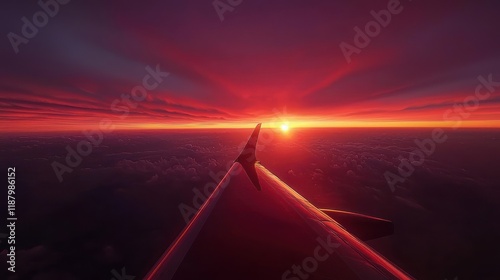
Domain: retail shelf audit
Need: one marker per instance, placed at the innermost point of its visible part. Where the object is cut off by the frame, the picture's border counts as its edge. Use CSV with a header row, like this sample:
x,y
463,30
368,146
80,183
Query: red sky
x,y
268,61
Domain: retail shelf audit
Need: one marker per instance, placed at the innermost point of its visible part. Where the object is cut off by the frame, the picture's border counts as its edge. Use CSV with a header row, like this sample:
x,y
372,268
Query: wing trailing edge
x,y
362,226
331,224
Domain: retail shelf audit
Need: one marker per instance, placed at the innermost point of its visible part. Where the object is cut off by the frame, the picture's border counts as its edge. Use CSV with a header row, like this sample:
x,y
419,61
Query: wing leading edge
x,y
170,261
363,261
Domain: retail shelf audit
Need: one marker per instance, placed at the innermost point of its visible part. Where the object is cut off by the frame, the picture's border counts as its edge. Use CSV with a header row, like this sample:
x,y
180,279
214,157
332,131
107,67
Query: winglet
x,y
247,157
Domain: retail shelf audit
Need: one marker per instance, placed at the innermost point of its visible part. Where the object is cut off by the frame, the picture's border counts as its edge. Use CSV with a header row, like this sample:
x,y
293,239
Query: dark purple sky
x,y
264,56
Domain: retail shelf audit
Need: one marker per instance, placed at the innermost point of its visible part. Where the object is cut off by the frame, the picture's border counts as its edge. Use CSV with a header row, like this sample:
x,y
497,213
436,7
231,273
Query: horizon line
x,y
6,132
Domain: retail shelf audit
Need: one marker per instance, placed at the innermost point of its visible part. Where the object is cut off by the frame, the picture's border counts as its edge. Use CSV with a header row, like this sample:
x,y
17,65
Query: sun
x,y
285,127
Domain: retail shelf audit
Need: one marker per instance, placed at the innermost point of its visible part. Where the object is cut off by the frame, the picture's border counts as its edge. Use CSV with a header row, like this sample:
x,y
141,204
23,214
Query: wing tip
x,y
247,157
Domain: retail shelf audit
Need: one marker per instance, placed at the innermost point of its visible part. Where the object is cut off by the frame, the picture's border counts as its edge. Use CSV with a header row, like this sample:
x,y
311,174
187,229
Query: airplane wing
x,y
254,226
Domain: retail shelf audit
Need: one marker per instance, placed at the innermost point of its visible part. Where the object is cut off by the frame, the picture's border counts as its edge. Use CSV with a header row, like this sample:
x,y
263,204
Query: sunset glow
x,y
220,79
232,139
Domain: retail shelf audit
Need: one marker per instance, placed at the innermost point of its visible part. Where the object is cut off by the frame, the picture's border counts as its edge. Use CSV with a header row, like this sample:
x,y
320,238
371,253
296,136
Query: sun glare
x,y
285,127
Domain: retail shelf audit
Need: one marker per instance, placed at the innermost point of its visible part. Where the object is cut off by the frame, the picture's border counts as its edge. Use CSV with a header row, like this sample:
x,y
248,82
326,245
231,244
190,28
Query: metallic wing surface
x,y
254,226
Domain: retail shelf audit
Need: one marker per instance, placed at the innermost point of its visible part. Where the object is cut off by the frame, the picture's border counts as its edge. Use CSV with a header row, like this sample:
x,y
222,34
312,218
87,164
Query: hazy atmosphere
x,y
118,120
